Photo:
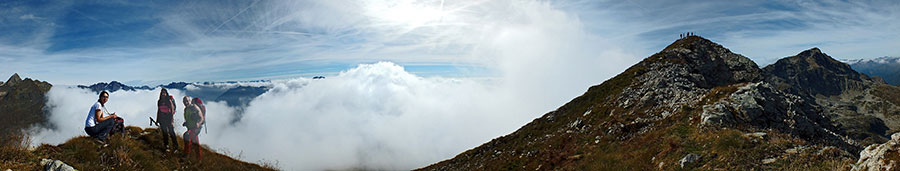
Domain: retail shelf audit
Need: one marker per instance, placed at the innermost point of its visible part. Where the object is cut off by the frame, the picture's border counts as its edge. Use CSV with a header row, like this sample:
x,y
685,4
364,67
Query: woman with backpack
x,y
193,120
165,116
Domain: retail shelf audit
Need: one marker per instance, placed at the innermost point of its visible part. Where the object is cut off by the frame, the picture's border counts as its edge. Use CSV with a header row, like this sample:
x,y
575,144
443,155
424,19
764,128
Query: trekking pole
x,y
152,122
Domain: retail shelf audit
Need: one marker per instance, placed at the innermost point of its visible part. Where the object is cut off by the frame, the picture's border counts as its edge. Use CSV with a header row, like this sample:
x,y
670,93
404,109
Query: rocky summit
x,y
21,104
696,104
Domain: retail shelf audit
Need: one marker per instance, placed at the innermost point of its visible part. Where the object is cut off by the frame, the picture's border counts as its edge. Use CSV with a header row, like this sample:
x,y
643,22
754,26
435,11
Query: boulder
x,y
875,156
56,165
688,160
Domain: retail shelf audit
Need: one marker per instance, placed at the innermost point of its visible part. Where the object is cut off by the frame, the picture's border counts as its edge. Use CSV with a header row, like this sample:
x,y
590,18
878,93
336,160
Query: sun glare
x,y
410,14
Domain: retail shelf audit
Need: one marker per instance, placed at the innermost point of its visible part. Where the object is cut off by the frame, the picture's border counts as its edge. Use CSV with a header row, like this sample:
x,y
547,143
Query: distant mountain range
x,y
695,105
888,68
234,93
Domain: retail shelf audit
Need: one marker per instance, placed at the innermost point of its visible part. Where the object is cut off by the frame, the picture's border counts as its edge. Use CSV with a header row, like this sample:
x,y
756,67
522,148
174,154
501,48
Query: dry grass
x,y
541,145
14,153
137,149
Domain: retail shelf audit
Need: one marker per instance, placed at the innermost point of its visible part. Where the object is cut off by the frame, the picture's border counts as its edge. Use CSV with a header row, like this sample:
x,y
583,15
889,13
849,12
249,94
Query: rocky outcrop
x,y
688,160
56,165
681,75
762,106
842,94
22,102
878,157
717,65
13,80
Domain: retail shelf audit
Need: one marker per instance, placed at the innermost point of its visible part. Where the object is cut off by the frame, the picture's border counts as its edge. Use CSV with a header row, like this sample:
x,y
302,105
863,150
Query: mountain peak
x,y
714,64
816,56
690,42
810,68
14,79
814,50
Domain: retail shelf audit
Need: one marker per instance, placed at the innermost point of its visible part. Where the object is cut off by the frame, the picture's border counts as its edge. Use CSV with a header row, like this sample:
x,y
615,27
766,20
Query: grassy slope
x,y
136,150
569,139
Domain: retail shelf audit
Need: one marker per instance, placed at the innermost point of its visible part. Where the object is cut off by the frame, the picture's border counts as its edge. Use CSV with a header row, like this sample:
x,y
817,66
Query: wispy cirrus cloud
x,y
163,41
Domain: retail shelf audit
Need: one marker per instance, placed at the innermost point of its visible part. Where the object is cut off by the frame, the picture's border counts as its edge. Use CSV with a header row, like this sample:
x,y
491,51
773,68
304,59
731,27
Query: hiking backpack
x,y
166,107
199,103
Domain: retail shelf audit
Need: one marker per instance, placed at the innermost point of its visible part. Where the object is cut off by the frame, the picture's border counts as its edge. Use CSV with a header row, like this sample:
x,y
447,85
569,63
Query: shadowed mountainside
x,y
22,104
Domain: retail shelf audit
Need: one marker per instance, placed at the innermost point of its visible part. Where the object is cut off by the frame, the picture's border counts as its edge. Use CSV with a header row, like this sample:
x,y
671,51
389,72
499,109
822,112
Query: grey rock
x,y
688,159
873,157
56,165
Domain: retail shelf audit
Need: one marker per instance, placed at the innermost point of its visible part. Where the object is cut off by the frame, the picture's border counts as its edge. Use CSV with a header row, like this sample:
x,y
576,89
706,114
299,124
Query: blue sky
x,y
154,42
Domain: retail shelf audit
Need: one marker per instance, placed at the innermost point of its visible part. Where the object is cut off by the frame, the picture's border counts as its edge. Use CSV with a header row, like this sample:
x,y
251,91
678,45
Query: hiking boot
x,y
101,142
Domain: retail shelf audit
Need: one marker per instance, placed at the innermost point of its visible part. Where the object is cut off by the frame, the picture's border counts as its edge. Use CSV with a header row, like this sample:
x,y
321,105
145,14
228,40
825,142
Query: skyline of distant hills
x,y
888,68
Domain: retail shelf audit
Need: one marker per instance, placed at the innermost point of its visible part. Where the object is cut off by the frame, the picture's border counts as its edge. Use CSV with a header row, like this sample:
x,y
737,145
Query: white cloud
x,y
69,107
376,116
29,17
379,116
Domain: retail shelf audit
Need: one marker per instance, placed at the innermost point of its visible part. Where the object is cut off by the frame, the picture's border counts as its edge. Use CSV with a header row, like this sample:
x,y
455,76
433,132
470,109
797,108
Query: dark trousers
x,y
167,129
101,130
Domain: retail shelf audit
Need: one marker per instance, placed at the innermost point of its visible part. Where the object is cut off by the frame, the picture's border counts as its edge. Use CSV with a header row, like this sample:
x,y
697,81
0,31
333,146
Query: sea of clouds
x,y
374,116
378,115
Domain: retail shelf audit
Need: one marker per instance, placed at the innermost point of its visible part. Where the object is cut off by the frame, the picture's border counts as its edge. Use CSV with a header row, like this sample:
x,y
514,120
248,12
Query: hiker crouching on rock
x,y
193,117
165,115
96,125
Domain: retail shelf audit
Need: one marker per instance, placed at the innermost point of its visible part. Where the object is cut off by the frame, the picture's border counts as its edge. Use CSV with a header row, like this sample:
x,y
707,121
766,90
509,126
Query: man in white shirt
x,y
96,125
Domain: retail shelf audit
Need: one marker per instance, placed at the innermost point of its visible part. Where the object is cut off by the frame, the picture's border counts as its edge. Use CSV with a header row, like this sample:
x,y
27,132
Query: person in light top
x,y
99,121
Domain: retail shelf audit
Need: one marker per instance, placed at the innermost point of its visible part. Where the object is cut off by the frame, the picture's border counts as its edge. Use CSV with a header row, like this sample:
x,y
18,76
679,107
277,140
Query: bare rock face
x,y
850,99
761,105
815,73
682,74
880,156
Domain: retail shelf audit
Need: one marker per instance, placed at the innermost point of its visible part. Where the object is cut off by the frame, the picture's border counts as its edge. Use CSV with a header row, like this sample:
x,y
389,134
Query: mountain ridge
x,y
886,68
236,96
22,102
695,104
